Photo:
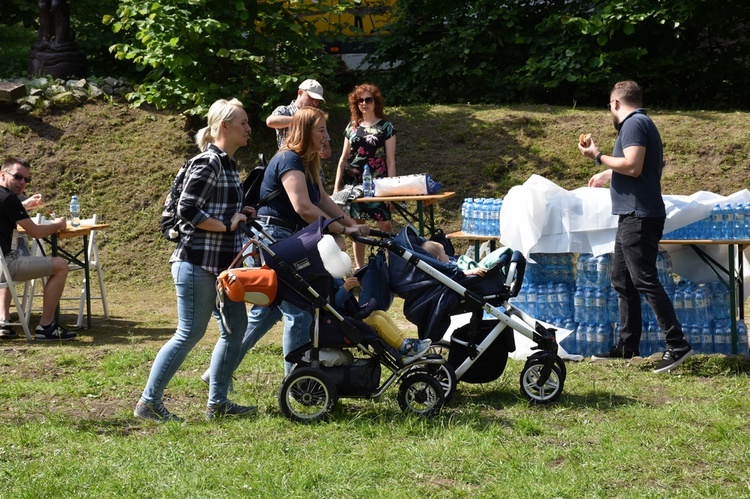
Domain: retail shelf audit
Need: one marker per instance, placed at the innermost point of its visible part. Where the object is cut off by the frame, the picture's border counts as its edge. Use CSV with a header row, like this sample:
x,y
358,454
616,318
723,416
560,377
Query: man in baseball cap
x,y
309,93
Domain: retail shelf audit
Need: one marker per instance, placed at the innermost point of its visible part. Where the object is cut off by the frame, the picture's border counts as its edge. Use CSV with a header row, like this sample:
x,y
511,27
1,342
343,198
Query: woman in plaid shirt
x,y
211,208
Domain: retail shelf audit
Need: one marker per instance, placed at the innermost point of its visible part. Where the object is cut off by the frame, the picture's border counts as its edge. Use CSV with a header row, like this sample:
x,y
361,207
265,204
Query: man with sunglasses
x,y
14,177
634,172
309,93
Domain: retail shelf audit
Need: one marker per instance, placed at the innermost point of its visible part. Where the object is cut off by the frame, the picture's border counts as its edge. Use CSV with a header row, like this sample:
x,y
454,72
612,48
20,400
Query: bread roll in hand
x,y
585,139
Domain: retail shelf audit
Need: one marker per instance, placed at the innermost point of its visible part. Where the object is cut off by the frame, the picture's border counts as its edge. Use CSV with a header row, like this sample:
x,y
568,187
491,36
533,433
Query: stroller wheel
x,y
445,375
549,391
307,394
420,394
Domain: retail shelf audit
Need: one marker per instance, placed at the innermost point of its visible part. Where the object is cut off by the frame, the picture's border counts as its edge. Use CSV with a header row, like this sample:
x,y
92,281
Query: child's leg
x,y
386,328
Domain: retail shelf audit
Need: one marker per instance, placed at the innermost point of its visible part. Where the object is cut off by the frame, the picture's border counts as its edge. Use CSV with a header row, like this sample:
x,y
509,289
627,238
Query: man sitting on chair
x,y
14,176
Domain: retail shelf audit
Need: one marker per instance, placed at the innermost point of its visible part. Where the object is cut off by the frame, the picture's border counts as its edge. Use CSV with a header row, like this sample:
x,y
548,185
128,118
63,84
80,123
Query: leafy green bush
x,y
688,54
193,52
15,44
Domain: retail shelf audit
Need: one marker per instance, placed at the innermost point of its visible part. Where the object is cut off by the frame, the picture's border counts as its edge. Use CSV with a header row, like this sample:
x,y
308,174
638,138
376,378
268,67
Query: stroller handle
x,y
386,242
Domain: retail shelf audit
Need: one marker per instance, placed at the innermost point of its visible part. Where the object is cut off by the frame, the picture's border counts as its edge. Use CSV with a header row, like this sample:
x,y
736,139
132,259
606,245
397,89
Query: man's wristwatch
x,y
598,159
228,225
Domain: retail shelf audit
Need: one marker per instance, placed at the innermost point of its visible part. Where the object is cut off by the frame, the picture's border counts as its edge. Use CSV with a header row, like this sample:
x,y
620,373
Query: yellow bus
x,y
359,22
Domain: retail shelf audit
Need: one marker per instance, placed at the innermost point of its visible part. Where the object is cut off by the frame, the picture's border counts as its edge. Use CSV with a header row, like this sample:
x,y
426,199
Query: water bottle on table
x,y
368,187
75,212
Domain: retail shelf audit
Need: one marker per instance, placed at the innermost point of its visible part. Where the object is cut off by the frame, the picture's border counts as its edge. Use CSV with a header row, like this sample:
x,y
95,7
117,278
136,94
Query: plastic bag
x,y
406,185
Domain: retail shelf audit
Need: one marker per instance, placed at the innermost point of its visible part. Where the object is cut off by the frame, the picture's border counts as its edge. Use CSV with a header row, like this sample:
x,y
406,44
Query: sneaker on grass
x,y
154,412
7,332
229,409
54,332
618,351
672,358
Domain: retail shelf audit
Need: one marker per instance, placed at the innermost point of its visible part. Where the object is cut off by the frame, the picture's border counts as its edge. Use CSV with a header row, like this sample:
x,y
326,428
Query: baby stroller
x,y
344,355
477,352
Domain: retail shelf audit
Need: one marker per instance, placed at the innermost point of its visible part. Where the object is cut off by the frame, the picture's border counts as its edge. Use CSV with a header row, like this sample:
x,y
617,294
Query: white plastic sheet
x,y
541,217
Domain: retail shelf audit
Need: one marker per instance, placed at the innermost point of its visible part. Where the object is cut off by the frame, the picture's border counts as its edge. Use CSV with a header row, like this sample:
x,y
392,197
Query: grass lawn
x,y
617,431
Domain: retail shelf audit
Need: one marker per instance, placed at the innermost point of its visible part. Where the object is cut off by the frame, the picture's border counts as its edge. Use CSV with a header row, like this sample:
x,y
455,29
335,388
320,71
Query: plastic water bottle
x,y
75,212
746,217
695,335
688,305
368,187
589,316
496,222
613,306
581,340
600,306
727,227
578,305
701,305
603,265
679,304
740,222
707,339
531,300
591,343
716,222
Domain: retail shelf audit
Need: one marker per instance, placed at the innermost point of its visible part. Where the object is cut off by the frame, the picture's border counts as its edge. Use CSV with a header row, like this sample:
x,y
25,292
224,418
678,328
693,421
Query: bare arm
x,y
296,188
278,121
390,155
44,230
342,165
600,179
32,202
631,164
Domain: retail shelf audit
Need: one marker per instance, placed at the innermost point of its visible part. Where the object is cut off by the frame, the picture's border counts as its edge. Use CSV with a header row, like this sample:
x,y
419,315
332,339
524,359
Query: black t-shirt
x,y
11,211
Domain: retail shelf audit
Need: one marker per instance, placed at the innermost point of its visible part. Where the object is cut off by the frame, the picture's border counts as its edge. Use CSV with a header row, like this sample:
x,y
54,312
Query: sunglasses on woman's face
x,y
366,100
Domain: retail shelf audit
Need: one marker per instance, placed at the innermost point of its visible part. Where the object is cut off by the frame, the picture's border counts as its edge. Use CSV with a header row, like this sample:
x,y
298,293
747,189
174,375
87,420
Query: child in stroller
x,y
311,389
435,291
410,349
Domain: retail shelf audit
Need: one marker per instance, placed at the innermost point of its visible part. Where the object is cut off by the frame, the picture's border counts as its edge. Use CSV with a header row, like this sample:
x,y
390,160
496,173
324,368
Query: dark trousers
x,y
634,273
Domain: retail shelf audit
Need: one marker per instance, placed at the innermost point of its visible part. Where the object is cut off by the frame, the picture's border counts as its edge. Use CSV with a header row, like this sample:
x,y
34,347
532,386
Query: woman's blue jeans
x,y
196,302
260,320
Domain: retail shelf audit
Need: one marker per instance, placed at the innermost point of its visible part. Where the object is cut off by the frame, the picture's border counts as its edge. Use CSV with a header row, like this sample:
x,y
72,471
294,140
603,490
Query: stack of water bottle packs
x,y
727,222
574,292
481,216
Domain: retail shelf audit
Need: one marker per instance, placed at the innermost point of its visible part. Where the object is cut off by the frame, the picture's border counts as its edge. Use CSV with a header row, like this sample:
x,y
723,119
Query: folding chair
x,y
95,265
23,318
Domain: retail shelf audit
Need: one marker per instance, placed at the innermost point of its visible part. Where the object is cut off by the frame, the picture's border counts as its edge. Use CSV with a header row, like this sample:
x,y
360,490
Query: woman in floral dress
x,y
369,139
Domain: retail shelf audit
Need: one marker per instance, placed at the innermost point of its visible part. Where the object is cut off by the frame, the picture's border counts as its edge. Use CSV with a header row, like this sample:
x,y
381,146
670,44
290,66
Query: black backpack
x,y
251,186
169,225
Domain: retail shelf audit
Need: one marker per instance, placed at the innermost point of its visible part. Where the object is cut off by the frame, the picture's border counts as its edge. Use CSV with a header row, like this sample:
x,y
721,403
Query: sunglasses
x,y
20,177
609,106
366,100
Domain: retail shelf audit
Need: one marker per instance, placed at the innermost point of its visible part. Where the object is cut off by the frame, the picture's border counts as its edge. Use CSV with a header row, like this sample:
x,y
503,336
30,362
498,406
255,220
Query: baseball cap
x,y
313,88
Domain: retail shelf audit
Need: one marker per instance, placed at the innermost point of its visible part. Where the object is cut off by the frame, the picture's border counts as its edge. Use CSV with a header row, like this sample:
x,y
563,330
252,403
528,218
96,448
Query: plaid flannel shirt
x,y
212,189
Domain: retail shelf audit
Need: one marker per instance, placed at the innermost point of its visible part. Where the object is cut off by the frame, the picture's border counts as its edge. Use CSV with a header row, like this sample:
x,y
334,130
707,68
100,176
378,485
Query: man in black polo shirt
x,y
634,172
14,176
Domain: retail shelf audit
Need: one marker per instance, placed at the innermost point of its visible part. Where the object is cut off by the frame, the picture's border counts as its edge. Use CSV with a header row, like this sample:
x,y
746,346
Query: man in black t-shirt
x,y
634,172
14,176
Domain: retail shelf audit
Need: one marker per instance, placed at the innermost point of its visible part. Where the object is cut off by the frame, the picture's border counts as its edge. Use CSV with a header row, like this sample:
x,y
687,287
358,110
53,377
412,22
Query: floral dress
x,y
368,148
